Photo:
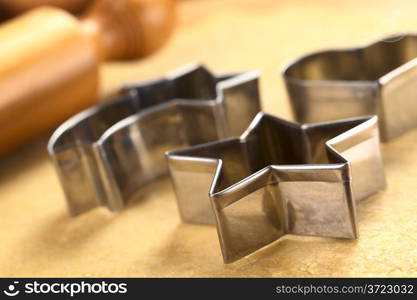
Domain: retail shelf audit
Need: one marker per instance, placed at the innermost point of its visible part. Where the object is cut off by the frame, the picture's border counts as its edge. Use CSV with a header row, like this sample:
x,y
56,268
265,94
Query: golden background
x,y
38,238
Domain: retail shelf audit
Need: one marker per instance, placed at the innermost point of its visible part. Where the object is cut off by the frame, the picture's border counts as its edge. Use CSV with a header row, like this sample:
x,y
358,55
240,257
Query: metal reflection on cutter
x,y
379,78
279,178
105,154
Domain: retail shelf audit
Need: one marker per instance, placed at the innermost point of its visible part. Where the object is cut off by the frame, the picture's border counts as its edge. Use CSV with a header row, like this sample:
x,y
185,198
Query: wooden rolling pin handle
x,y
129,29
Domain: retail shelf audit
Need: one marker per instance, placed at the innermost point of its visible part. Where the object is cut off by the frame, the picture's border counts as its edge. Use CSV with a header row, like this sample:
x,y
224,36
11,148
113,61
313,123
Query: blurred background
x,y
231,35
38,237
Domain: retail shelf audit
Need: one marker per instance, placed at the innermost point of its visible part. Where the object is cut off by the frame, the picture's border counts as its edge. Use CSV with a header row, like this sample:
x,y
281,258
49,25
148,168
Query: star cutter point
x,y
105,154
376,79
279,178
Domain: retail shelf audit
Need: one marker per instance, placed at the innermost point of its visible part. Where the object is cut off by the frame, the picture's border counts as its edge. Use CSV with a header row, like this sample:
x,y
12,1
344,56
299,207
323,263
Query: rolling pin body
x,y
16,7
47,73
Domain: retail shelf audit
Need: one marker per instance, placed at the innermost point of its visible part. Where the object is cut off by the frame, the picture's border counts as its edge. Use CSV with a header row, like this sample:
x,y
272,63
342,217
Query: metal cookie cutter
x,y
104,154
379,78
279,178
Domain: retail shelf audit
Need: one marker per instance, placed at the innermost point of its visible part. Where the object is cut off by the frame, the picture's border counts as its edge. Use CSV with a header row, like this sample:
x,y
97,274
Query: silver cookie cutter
x,y
377,79
105,154
278,178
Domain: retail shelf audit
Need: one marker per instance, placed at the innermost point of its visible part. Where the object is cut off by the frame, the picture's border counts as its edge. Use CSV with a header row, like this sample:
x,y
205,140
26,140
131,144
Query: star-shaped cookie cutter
x,y
278,178
377,79
105,154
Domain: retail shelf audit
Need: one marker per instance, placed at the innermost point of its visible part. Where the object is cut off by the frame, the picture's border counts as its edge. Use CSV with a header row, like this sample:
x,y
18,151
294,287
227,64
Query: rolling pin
x,y
49,59
15,7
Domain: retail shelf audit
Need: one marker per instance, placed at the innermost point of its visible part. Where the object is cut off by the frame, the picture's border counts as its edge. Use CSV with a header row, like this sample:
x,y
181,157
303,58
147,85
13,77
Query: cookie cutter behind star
x,y
105,154
377,79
